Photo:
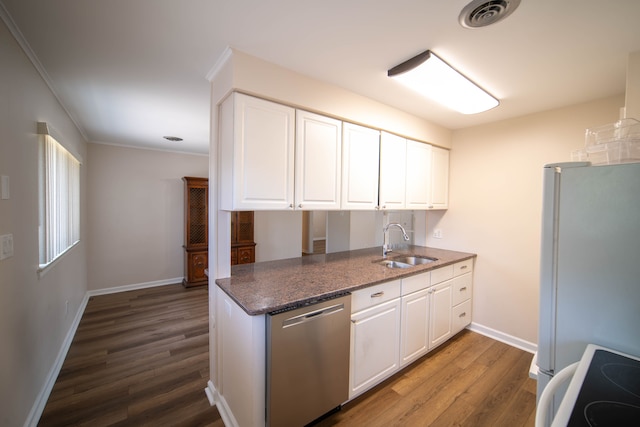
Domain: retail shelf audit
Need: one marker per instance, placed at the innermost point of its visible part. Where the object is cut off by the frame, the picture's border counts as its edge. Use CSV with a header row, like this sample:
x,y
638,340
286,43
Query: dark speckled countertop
x,y
273,285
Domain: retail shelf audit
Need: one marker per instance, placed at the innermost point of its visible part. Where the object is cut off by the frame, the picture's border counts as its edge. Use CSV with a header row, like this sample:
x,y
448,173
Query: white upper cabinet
x,y
418,188
318,161
405,173
393,170
274,157
439,178
256,154
360,167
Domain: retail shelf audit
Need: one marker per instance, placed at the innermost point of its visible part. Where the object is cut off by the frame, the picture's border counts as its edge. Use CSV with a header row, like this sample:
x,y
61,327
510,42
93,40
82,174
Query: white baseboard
x,y
223,409
135,286
41,400
505,338
36,410
211,393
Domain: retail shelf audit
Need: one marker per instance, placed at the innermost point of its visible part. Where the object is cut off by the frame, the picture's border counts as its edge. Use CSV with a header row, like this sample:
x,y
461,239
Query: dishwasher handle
x,y
312,315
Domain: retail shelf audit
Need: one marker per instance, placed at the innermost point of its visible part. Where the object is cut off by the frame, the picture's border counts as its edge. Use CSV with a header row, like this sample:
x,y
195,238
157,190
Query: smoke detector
x,y
481,13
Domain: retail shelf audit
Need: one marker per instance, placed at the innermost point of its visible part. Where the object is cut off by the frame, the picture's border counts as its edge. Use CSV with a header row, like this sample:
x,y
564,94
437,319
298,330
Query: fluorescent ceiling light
x,y
432,77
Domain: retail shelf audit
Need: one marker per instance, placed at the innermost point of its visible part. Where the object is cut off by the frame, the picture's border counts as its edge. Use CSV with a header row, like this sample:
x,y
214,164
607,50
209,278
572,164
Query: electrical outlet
x,y
437,233
6,246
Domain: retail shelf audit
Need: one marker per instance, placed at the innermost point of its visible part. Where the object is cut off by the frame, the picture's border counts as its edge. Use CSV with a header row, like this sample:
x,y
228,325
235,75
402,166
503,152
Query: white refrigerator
x,y
590,263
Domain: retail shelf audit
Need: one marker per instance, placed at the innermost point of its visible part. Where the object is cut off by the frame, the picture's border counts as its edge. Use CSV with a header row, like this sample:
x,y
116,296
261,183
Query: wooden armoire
x,y
243,248
196,234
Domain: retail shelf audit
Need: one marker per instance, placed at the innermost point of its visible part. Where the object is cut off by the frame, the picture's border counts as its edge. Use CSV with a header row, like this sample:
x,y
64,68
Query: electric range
x,y
604,391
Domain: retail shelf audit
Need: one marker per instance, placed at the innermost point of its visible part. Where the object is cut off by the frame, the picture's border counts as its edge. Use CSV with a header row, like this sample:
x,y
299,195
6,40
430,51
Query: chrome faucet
x,y
385,232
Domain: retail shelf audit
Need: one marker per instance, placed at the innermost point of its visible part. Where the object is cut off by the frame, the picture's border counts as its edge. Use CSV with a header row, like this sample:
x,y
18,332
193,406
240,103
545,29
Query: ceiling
x,y
132,71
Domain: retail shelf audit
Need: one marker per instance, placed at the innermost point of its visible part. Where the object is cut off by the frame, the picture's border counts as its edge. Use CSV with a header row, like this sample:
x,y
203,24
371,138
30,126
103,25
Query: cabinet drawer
x,y
463,267
441,274
461,316
462,288
246,255
373,295
416,283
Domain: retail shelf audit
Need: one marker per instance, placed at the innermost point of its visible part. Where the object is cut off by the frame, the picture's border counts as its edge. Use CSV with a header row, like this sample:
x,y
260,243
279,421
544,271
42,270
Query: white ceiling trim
x,y
222,60
26,48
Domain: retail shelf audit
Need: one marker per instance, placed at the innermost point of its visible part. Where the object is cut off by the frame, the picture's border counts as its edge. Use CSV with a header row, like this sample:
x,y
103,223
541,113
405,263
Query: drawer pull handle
x,y
377,294
464,314
462,289
463,267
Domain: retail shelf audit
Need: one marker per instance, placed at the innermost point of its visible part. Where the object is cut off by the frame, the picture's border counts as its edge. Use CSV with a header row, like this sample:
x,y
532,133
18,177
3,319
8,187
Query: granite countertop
x,y
263,287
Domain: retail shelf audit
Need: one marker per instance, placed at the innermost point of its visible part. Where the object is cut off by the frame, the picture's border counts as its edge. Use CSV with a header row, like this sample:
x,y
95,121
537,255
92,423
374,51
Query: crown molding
x,y
26,48
222,60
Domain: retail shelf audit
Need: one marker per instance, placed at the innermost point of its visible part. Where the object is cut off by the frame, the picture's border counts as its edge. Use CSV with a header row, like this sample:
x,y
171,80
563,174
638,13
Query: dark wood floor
x,y
142,357
138,358
470,381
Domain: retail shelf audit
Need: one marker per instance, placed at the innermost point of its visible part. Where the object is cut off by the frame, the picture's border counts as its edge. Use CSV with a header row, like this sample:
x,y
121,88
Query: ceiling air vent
x,y
480,13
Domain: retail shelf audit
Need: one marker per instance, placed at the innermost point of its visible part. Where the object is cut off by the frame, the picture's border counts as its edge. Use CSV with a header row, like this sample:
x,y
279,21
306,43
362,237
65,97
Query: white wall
x,y
632,93
319,225
278,234
136,206
33,320
260,78
495,206
365,230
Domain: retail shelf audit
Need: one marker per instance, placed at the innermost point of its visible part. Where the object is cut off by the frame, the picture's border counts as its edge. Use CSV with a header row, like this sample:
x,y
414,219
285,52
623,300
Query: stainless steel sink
x,y
394,264
414,260
406,261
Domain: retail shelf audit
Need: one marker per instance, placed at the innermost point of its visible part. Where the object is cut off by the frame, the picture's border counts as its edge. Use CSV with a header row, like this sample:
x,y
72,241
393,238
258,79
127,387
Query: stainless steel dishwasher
x,y
307,361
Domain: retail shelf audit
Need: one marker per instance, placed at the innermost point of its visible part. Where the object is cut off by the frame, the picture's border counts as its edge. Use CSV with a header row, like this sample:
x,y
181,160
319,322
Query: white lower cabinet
x,y
462,288
440,314
395,323
375,337
415,326
461,316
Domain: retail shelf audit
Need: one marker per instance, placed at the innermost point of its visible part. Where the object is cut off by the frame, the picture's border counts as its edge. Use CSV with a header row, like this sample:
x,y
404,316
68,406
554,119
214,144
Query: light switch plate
x,y
6,246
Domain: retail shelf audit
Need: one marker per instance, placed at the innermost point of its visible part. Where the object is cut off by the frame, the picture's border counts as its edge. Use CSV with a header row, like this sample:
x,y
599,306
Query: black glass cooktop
x,y
610,393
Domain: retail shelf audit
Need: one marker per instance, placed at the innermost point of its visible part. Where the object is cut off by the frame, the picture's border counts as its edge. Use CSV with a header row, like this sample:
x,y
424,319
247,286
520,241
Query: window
x,y
59,198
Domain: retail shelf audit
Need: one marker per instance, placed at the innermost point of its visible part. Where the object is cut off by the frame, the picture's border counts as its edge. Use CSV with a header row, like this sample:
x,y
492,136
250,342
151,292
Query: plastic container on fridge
x,y
614,143
579,155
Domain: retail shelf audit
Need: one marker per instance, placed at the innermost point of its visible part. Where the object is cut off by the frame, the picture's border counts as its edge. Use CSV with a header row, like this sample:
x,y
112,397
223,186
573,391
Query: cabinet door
x,y
393,169
360,167
440,315
439,178
257,154
375,345
195,264
318,161
418,175
414,340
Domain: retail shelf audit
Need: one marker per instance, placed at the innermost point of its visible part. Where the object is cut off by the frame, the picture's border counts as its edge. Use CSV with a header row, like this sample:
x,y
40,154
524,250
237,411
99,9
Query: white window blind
x,y
59,200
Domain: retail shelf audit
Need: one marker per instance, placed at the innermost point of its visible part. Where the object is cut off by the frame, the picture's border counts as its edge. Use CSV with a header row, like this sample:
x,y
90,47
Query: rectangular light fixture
x,y
433,78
